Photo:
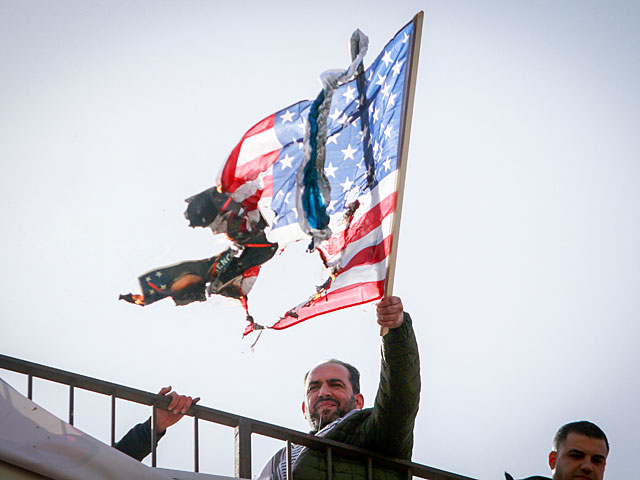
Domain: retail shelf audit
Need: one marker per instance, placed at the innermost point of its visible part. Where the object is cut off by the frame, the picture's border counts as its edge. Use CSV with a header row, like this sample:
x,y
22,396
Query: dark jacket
x,y
137,442
386,428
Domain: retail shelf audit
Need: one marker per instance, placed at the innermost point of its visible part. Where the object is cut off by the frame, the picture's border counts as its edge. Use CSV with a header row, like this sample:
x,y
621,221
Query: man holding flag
x,y
333,407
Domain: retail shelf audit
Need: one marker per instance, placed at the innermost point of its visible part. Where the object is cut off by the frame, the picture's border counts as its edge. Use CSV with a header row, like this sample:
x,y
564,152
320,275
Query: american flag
x,y
362,148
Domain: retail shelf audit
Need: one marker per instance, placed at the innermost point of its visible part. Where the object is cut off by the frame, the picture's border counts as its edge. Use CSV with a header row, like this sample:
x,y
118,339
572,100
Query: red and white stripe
x,y
246,175
359,252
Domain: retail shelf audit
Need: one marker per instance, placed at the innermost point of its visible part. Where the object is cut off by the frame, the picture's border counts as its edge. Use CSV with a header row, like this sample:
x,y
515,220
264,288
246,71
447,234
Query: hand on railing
x,y
176,410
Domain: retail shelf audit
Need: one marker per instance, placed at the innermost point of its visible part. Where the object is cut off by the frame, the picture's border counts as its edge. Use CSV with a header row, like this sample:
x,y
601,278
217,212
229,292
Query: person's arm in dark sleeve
x,y
398,397
137,441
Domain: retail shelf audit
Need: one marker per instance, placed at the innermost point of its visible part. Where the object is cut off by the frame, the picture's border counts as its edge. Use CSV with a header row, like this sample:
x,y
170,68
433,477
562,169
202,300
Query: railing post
x,y
243,449
154,433
113,420
196,445
289,463
30,387
329,464
70,404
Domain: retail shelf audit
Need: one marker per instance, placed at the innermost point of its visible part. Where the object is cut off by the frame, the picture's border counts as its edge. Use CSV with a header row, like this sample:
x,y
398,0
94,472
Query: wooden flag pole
x,y
405,133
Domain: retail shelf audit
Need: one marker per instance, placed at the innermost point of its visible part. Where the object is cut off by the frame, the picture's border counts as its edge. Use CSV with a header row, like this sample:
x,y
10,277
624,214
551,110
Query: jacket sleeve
x,y
396,406
137,441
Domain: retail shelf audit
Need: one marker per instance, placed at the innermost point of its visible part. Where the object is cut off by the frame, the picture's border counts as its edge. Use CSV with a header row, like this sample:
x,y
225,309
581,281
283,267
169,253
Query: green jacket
x,y
387,428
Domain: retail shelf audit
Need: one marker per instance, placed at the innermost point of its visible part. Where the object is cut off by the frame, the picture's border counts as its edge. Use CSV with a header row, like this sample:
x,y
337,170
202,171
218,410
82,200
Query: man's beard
x,y
317,422
561,475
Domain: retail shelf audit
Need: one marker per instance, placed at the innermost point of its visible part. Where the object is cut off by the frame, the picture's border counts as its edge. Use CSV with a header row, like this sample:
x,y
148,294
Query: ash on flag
x,y
322,171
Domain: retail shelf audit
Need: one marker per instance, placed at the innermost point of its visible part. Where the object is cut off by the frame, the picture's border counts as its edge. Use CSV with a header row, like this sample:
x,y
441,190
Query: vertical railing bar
x,y
154,433
409,474
288,458
243,432
30,387
196,445
369,468
113,420
329,464
70,404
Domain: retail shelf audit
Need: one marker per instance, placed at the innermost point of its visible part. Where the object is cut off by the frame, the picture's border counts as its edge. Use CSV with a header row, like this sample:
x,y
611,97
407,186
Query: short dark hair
x,y
582,427
354,374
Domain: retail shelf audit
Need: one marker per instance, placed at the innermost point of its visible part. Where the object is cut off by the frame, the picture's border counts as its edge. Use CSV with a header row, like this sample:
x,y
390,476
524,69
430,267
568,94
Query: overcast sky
x,y
518,255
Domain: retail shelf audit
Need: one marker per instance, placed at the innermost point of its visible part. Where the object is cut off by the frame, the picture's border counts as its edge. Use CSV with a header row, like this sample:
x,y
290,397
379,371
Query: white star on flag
x,y
346,185
387,131
396,68
381,79
287,117
330,171
348,152
387,58
286,161
362,133
350,93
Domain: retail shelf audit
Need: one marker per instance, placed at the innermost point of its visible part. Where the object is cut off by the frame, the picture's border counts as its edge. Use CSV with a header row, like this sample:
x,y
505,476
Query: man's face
x,y
328,395
579,457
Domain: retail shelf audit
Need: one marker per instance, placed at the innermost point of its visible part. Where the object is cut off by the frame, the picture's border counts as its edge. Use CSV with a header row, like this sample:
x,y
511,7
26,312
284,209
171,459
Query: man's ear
x,y
553,457
359,401
303,407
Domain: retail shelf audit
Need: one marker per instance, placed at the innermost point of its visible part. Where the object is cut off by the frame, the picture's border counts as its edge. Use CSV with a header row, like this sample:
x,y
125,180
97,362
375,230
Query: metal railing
x,y
244,426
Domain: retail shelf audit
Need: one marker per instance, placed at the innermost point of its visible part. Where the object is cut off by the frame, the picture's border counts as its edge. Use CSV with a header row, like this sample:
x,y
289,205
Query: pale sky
x,y
518,254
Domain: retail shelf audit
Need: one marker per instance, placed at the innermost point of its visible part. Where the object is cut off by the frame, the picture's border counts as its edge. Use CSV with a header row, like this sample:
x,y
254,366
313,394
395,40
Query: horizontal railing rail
x,y
244,426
